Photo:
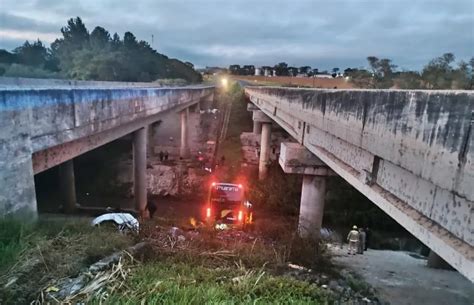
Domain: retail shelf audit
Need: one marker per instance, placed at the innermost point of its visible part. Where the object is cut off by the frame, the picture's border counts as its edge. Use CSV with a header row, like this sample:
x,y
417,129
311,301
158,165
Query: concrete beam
x,y
47,158
261,117
252,107
297,159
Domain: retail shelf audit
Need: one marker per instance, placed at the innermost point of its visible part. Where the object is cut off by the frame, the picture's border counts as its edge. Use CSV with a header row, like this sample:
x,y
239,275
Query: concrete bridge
x,y
45,123
410,152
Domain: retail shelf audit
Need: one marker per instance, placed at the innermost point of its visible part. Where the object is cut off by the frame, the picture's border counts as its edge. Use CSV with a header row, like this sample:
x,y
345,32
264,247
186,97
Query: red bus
x,y
227,206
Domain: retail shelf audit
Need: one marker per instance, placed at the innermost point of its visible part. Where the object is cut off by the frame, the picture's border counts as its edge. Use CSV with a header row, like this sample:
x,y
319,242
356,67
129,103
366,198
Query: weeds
x,y
32,255
171,282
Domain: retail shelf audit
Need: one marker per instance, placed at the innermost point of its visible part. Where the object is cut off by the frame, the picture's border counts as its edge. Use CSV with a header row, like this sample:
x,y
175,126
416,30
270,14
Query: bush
x,y
19,70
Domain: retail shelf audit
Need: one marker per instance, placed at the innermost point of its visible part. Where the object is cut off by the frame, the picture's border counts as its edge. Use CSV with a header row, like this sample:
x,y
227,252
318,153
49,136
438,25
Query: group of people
x,y
358,239
163,155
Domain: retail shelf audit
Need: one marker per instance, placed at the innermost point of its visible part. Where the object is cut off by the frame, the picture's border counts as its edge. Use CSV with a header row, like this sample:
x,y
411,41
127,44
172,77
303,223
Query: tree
x,y
99,38
115,43
409,80
75,34
7,57
34,54
130,41
97,56
292,71
438,74
360,77
281,69
305,70
382,72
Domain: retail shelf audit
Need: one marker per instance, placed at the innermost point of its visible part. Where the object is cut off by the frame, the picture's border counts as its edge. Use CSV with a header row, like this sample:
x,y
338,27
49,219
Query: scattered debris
x,y
107,272
124,221
293,266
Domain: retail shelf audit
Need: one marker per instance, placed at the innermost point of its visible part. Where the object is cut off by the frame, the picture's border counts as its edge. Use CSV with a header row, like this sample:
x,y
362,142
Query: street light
x,y
224,82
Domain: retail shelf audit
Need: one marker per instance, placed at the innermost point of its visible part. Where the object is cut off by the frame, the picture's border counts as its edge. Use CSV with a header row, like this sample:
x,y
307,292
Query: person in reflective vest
x,y
353,239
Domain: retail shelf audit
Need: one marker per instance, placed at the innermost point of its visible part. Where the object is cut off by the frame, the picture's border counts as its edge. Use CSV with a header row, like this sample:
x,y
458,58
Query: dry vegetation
x,y
287,81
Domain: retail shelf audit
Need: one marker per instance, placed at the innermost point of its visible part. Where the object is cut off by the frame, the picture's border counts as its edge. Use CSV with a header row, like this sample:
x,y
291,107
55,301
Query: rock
x,y
333,284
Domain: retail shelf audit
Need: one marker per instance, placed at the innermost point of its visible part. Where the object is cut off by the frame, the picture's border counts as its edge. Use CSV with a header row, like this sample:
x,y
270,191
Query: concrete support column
x,y
257,127
436,262
68,186
313,193
184,148
139,170
264,150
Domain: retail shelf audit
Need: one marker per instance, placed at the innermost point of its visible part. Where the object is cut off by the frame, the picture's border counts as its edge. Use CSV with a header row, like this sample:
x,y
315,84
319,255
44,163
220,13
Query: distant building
x,y
212,70
257,71
323,76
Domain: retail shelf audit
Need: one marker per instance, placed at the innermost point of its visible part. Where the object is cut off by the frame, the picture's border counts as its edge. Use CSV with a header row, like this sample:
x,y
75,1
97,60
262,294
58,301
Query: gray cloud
x,y
323,34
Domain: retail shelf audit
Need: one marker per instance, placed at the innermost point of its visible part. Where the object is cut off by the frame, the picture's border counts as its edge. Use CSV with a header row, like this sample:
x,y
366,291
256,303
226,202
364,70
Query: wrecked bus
x,y
227,206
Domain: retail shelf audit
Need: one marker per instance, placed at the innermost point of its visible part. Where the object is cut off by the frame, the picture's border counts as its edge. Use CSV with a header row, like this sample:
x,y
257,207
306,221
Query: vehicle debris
x,y
124,221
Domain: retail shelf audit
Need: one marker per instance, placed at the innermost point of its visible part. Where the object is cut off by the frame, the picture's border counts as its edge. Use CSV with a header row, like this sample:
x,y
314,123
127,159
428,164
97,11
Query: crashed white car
x,y
124,221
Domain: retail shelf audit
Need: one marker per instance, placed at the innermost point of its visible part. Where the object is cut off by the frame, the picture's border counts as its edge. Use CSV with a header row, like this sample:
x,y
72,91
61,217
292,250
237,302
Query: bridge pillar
x,y
68,185
264,150
139,170
313,194
296,159
184,148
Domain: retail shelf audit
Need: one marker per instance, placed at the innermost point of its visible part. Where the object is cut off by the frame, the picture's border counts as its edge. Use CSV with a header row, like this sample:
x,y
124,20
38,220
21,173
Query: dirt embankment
x,y
329,83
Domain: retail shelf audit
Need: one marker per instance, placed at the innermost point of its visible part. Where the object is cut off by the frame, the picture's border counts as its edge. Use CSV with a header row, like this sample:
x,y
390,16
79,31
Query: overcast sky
x,y
323,34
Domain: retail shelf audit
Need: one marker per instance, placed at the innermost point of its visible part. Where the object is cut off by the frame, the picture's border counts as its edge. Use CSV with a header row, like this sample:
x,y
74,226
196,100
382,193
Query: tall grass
x,y
35,254
14,238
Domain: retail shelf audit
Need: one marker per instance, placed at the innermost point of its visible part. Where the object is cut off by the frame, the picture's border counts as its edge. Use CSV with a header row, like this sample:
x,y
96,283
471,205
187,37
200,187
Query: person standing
x,y
166,155
367,238
353,239
161,154
361,245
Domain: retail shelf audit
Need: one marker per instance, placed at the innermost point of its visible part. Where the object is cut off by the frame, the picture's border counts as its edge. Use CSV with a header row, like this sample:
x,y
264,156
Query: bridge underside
x,y
390,147
42,128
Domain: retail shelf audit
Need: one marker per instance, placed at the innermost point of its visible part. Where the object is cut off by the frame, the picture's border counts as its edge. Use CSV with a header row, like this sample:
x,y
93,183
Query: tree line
x,y
96,55
440,73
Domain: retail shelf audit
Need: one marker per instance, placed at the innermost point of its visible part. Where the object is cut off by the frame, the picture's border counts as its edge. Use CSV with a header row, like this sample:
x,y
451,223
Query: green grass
x,y
13,240
171,282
